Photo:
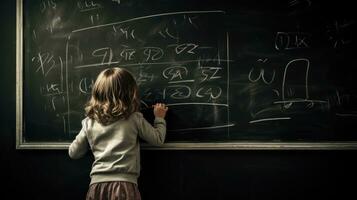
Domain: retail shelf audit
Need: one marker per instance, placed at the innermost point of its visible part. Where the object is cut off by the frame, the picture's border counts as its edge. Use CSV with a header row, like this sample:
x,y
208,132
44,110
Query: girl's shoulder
x,y
136,115
87,122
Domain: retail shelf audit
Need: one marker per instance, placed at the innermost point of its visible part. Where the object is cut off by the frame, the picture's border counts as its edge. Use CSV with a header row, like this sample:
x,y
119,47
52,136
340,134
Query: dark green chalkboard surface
x,y
235,74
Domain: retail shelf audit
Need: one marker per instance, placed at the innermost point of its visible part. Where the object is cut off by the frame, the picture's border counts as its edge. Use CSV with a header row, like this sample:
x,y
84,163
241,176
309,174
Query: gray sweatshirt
x,y
116,146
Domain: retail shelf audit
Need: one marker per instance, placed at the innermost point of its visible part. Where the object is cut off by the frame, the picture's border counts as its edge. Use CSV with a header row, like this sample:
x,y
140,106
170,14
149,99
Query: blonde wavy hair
x,y
114,96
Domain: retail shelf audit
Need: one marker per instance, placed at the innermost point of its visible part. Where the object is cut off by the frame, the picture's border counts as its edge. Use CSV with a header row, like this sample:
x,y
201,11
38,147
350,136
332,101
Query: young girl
x,y
111,130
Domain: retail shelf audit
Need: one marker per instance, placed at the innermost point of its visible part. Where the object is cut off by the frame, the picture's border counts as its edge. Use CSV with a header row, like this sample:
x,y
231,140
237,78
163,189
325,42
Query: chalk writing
x,y
49,4
85,6
291,40
279,70
163,71
340,32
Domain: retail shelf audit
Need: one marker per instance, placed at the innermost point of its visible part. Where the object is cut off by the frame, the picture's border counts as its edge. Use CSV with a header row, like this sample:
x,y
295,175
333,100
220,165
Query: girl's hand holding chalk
x,y
160,110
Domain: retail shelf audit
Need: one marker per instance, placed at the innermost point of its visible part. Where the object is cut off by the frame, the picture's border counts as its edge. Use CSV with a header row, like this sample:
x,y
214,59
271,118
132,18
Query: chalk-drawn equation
x,y
181,86
171,62
291,92
177,84
124,54
177,74
50,70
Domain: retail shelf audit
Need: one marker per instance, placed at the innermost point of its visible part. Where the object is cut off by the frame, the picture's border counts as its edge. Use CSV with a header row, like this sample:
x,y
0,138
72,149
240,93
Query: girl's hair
x,y
114,96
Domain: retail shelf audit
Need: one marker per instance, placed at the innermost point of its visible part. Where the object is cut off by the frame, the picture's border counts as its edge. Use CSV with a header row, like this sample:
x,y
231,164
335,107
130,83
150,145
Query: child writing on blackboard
x,y
111,130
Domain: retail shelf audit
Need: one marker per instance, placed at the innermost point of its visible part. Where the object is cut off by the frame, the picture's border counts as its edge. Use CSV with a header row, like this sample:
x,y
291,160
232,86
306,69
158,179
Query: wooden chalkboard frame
x,y
236,145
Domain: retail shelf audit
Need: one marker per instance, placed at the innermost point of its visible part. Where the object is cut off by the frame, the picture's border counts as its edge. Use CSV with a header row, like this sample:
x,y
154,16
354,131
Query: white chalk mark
x,y
265,110
83,83
228,80
50,59
53,103
178,92
219,56
88,9
311,104
269,119
34,34
132,34
41,64
162,34
300,101
204,128
145,104
169,34
67,85
181,81
52,94
149,16
338,97
272,78
276,92
61,65
261,76
293,3
194,25
285,79
91,19
64,124
335,44
197,103
138,64
346,114
52,66
262,60
206,70
117,1
250,76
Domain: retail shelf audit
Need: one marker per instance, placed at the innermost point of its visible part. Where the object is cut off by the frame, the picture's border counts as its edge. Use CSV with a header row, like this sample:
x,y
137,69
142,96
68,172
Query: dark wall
x,y
236,174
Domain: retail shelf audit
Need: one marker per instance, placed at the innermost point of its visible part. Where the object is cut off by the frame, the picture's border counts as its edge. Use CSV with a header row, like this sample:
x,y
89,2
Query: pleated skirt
x,y
116,190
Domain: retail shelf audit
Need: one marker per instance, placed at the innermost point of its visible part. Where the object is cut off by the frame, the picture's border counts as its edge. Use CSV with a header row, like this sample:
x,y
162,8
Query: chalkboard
x,y
235,74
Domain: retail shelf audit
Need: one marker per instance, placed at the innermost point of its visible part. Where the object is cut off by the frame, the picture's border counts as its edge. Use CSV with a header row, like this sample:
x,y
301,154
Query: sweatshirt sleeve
x,y
79,146
154,135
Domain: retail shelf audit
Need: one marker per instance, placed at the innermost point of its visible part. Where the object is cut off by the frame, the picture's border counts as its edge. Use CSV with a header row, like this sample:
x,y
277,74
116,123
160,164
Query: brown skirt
x,y
116,190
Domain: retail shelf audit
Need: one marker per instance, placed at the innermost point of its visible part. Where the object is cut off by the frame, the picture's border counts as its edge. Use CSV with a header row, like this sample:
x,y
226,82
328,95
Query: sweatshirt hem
x,y
110,178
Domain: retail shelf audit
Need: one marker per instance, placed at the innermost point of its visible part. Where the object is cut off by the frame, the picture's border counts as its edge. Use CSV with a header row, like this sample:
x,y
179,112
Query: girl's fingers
x,y
160,105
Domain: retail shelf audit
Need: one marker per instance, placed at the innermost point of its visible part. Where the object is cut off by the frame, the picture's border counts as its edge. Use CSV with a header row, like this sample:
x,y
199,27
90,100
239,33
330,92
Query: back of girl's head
x,y
114,96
